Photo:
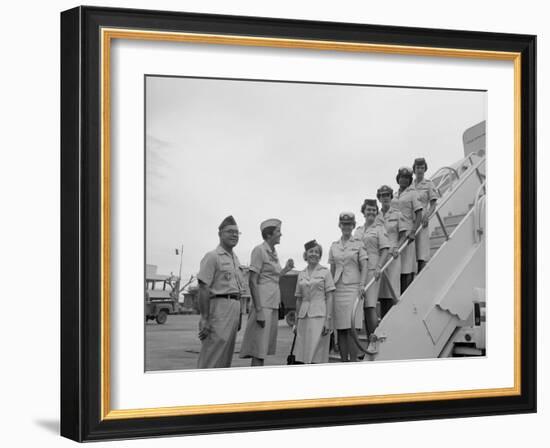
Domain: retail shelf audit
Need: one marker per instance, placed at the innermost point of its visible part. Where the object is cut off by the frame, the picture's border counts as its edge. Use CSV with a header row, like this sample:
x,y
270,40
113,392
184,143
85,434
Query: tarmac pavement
x,y
176,345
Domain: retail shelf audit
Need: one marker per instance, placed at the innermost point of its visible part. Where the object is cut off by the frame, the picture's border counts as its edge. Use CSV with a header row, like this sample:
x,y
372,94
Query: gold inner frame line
x,y
107,35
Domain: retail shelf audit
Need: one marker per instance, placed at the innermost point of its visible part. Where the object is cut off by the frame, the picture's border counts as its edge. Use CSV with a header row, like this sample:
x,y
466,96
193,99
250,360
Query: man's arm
x,y
204,308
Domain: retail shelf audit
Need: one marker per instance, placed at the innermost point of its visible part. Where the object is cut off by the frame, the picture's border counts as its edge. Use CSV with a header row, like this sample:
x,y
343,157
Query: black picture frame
x,y
81,224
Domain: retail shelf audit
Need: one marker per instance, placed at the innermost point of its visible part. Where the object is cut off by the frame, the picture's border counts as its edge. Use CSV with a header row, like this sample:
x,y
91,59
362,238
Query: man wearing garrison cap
x,y
220,288
260,338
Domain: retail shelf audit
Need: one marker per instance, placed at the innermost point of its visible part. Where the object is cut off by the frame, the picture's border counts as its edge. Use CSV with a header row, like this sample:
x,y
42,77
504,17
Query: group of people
x,y
324,297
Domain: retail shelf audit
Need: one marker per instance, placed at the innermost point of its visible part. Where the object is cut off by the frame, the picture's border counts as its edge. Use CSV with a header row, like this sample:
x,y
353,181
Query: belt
x,y
227,296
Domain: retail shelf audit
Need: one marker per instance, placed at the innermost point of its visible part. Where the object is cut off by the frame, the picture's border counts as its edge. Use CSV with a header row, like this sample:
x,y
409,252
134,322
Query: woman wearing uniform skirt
x,y
260,337
348,266
406,201
376,243
314,297
395,225
427,195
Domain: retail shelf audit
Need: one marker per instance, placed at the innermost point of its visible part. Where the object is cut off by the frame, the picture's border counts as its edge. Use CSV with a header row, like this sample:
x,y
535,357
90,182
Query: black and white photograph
x,y
292,223
275,223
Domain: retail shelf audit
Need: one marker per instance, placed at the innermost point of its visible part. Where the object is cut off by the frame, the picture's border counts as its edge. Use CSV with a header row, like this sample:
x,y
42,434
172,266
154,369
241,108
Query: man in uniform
x,y
220,287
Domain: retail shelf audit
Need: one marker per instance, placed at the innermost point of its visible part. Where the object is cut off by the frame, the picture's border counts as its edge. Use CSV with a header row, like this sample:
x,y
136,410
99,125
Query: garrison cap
x,y
310,244
273,222
228,221
420,161
384,189
347,217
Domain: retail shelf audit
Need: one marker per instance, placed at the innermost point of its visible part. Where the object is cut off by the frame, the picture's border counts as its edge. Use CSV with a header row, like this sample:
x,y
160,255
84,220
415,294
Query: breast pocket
x,y
353,250
393,224
227,274
318,283
423,195
352,256
300,288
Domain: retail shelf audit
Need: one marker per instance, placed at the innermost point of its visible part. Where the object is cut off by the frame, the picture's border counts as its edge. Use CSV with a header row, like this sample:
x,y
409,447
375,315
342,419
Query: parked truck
x,y
161,296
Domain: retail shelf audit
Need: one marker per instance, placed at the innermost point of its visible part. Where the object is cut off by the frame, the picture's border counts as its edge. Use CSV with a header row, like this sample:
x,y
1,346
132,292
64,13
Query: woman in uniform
x,y
392,219
348,266
314,296
260,337
376,243
427,195
406,201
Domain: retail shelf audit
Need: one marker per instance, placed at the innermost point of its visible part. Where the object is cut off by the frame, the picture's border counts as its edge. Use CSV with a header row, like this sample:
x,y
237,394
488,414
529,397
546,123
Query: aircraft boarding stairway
x,y
440,313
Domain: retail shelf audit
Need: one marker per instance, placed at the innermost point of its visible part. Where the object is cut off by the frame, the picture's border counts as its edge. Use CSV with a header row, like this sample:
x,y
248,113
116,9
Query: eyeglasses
x,y
232,232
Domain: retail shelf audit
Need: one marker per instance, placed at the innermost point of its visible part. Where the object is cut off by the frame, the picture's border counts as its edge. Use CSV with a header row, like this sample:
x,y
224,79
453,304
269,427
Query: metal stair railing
x,y
478,203
452,171
447,170
358,304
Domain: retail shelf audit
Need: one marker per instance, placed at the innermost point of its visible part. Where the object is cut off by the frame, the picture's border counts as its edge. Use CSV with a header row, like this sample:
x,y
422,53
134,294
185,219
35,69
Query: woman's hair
x,y
406,172
369,202
420,161
268,231
320,251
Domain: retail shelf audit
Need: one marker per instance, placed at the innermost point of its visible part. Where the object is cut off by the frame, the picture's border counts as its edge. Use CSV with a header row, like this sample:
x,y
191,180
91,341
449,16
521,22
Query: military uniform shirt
x,y
394,222
426,193
347,257
312,289
375,238
408,204
265,262
220,271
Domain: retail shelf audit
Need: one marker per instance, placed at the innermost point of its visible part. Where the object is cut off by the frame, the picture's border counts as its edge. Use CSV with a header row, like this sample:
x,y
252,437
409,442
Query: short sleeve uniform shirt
x,y
394,222
264,261
347,257
312,289
220,271
375,238
426,192
408,204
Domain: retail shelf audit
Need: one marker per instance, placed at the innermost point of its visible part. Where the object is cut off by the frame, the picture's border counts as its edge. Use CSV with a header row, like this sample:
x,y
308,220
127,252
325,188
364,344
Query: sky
x,y
299,152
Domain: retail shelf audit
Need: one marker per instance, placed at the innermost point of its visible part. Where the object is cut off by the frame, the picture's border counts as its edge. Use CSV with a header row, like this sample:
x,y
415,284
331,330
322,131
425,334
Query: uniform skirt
x,y
344,299
392,275
423,244
372,292
218,347
408,259
260,342
311,346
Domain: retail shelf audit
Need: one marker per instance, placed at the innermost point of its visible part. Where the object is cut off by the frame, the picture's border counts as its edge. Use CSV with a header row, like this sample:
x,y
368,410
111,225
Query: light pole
x,y
181,259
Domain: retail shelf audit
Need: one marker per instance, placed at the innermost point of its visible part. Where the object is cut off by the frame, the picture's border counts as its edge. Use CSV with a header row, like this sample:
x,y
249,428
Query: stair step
x,y
453,219
438,231
437,240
